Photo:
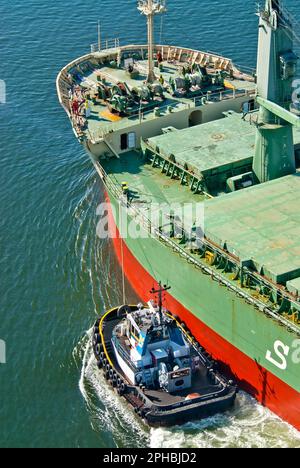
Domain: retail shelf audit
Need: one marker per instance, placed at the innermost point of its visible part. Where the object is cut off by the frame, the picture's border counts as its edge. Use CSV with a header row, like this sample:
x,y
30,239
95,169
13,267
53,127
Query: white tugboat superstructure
x,y
149,357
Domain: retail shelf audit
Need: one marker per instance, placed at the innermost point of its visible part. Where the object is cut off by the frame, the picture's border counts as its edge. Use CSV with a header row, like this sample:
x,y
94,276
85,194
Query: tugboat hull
x,y
195,411
209,394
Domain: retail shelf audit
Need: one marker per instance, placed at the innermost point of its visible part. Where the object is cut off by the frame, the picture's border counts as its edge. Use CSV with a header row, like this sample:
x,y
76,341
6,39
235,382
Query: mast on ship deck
x,y
150,8
160,292
276,69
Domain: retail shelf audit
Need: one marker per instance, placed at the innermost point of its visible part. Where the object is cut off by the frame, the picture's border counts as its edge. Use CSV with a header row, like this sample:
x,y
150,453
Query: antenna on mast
x,y
160,292
150,8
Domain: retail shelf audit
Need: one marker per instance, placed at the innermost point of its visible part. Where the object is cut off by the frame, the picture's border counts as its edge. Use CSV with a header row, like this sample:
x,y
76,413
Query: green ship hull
x,y
241,337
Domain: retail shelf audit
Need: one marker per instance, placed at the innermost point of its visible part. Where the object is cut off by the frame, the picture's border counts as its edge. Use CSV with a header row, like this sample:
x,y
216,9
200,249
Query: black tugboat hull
x,y
193,412
163,413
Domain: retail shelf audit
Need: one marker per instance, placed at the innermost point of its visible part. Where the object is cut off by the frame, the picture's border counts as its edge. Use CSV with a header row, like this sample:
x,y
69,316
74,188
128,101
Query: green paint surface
x,y
262,224
246,328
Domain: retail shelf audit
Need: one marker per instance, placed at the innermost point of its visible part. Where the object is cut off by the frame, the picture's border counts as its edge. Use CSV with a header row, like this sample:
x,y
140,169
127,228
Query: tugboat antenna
x,y
160,292
150,8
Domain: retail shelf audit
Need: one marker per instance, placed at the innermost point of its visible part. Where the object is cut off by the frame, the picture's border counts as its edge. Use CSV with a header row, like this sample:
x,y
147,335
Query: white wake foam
x,y
248,425
108,411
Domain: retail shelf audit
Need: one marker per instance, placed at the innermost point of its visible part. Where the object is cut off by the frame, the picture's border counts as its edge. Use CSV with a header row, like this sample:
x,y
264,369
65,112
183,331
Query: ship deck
x,y
150,191
146,184
101,119
201,385
214,147
207,150
260,225
210,145
211,148
203,148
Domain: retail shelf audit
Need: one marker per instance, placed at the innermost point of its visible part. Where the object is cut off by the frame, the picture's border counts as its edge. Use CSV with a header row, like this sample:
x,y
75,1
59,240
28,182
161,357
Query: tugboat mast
x,y
160,292
150,8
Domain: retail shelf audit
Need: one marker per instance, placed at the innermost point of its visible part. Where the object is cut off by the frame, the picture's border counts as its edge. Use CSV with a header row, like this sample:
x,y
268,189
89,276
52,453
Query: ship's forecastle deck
x,y
185,79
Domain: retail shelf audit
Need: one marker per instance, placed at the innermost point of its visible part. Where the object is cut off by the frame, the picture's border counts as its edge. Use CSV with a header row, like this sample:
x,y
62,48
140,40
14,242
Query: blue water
x,y
56,275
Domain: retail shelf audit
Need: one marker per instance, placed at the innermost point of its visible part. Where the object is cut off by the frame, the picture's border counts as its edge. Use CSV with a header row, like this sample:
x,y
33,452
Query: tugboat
x,y
151,359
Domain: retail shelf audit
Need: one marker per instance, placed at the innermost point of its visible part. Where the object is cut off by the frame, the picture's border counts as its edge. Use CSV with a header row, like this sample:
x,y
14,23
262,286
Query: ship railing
x,y
245,69
170,53
104,131
196,102
222,96
156,232
162,109
105,45
238,291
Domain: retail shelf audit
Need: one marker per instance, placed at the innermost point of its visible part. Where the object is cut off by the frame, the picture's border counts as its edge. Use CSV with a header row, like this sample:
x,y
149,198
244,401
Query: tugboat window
x,y
156,336
178,383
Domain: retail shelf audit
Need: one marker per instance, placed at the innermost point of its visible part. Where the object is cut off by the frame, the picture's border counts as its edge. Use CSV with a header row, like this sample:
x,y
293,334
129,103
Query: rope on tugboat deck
x,y
102,336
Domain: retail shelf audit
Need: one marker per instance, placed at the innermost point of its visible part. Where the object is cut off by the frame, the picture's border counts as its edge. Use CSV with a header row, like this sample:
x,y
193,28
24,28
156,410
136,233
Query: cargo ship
x,y
200,168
